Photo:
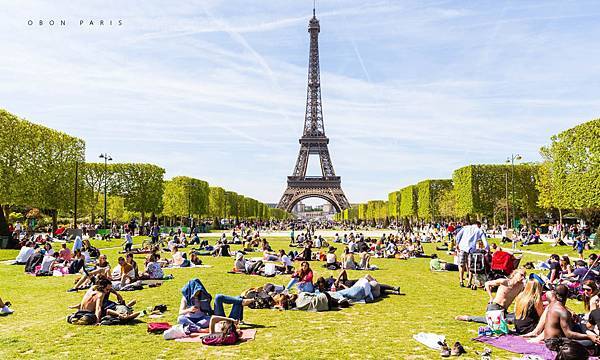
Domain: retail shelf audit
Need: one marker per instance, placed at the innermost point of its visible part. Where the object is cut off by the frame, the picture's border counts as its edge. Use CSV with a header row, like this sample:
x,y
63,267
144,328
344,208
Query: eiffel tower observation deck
x,y
313,142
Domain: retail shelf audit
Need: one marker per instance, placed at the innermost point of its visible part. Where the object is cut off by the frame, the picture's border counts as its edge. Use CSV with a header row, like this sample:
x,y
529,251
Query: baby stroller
x,y
503,264
478,268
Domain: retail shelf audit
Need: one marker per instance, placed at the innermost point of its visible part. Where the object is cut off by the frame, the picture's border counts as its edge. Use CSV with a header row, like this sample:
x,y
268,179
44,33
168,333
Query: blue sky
x,y
216,89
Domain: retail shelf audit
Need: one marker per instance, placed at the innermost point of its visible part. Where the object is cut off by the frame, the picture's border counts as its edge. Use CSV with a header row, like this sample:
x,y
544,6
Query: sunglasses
x,y
587,289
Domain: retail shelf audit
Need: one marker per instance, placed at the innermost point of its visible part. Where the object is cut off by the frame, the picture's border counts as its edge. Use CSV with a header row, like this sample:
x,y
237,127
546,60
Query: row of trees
x,y
38,168
567,179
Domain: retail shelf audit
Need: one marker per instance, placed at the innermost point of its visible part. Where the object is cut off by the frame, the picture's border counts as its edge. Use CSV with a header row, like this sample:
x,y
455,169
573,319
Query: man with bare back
x,y
560,324
508,289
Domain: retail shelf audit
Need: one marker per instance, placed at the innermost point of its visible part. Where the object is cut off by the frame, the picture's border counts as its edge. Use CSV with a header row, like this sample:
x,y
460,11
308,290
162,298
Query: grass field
x,y
382,329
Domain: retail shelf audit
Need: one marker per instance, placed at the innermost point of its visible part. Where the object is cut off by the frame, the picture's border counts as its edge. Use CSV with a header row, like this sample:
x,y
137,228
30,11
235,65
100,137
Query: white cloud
x,y
216,90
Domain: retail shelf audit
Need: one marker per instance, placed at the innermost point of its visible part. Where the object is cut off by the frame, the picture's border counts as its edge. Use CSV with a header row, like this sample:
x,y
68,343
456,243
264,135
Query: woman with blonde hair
x,y
528,308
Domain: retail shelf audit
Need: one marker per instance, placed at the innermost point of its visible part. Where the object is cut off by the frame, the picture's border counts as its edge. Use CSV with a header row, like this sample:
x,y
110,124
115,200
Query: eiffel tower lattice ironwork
x,y
313,141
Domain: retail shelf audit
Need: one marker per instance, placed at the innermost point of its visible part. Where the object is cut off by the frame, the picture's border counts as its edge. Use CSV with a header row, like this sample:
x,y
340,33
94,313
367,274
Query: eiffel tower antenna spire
x,y
313,141
314,6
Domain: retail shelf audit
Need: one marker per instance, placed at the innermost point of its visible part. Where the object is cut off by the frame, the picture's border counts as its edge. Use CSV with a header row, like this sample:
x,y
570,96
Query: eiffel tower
x,y
313,141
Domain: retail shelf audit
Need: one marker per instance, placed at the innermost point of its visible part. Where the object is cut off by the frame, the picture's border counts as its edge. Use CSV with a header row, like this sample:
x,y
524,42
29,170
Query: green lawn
x,y
380,330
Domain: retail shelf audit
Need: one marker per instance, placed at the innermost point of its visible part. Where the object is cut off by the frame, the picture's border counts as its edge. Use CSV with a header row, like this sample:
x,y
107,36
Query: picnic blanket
x,y
248,334
519,345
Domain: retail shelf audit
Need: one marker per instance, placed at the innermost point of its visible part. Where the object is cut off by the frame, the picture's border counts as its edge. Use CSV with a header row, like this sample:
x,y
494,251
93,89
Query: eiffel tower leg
x,y
326,165
302,161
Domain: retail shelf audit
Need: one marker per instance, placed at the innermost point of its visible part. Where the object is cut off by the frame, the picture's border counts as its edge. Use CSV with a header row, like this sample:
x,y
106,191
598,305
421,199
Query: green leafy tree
x,y
216,202
429,196
408,202
37,167
569,177
394,204
141,185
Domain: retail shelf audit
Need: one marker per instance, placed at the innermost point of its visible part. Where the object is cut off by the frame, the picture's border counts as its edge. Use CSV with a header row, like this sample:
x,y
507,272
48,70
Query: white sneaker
x,y
6,310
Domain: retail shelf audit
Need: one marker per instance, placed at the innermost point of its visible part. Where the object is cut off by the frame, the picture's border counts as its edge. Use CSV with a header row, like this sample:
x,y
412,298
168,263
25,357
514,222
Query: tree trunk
x,y
560,221
54,220
4,221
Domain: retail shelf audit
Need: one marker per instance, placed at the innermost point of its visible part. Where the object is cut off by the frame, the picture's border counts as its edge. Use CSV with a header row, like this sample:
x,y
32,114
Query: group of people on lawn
x,y
540,310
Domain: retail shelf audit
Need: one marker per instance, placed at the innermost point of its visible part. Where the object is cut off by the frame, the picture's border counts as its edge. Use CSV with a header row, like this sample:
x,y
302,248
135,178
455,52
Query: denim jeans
x,y
202,321
354,293
302,286
237,310
293,281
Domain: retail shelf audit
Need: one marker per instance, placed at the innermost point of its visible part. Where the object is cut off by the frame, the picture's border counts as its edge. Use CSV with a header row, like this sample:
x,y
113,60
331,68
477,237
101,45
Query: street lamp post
x,y
511,161
106,158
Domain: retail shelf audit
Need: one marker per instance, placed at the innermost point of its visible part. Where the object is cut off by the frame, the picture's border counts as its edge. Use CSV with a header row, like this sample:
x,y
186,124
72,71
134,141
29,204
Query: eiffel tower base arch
x,y
295,194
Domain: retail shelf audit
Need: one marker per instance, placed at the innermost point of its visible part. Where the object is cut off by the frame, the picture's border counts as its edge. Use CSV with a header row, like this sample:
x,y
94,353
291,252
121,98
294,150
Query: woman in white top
x,y
47,262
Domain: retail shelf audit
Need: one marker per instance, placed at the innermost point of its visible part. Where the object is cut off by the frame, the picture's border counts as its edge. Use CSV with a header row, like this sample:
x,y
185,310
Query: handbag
x,y
158,327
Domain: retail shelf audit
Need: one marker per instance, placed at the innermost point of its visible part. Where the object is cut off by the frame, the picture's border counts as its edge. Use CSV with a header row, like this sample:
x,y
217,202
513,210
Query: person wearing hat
x,y
331,259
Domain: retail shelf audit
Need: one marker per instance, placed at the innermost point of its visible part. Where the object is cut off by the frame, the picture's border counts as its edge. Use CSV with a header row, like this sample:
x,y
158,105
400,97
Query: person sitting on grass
x,y
195,310
560,324
77,262
331,260
90,308
303,279
177,257
195,259
96,303
123,273
508,289
287,266
579,275
65,254
306,254
25,253
348,262
4,309
129,259
102,269
153,270
528,308
221,249
591,296
437,264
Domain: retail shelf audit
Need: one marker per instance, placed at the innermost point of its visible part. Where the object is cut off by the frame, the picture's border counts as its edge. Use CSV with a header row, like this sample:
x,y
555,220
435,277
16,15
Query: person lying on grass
x,y
195,310
508,289
436,264
241,265
365,289
342,282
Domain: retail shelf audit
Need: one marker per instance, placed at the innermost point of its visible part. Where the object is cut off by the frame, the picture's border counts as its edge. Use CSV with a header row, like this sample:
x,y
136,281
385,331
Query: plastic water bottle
x,y
481,331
